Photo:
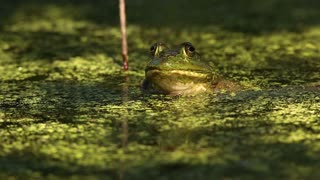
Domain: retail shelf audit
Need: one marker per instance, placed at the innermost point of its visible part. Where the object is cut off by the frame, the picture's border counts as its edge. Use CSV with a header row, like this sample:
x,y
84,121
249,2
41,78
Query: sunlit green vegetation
x,y
66,105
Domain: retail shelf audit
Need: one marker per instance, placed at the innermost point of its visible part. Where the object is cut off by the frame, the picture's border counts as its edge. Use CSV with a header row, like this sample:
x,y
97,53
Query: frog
x,y
181,71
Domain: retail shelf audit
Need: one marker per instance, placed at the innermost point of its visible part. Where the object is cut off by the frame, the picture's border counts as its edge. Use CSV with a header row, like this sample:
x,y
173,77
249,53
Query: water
x,y
111,128
67,111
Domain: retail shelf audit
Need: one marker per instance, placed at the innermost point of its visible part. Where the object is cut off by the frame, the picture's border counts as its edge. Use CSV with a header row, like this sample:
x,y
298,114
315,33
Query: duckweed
x,y
68,111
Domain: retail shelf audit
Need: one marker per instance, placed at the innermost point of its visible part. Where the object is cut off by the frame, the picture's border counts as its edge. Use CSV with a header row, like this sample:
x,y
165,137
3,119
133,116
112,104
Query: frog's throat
x,y
188,73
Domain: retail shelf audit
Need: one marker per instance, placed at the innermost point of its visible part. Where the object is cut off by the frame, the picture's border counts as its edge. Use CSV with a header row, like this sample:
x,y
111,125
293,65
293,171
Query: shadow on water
x,y
62,101
246,16
50,46
66,102
240,141
242,164
236,135
24,161
240,130
99,11
262,160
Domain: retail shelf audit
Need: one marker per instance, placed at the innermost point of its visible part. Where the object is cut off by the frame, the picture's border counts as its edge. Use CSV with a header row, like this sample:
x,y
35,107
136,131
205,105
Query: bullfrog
x,y
180,71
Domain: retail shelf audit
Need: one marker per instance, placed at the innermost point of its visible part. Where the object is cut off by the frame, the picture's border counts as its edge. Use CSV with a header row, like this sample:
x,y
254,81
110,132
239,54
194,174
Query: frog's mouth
x,y
175,82
177,73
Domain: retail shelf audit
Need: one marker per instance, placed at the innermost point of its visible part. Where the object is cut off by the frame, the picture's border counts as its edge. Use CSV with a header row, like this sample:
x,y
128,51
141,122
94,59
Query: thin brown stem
x,y
122,7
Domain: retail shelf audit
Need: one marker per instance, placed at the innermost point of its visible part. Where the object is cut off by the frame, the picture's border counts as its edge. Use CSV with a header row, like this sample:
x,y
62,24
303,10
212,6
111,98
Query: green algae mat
x,y
68,111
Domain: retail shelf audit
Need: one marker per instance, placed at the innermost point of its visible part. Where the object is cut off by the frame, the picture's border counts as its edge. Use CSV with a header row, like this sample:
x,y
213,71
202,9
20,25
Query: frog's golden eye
x,y
189,49
157,48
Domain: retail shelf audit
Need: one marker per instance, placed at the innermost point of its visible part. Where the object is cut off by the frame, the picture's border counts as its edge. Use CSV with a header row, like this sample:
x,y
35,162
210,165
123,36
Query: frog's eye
x,y
153,49
157,48
189,49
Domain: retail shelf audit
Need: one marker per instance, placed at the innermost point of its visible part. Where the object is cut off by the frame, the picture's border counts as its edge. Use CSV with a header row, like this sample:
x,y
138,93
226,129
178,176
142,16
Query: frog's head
x,y
176,71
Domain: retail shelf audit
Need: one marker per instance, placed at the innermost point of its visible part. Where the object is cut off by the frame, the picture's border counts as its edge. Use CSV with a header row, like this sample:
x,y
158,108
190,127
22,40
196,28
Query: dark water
x,y
66,110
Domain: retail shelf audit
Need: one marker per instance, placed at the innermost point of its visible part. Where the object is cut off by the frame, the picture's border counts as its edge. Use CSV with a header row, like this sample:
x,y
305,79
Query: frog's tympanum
x,y
178,71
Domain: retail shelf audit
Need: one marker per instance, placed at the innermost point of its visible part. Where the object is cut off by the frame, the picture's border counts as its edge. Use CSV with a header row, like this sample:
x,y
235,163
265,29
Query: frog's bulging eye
x,y
157,48
189,49
153,49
